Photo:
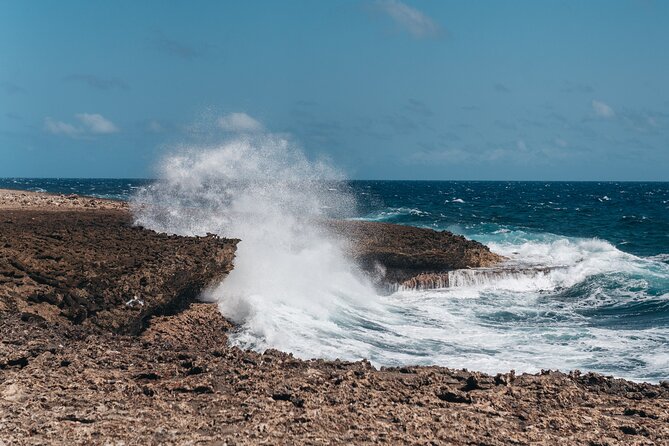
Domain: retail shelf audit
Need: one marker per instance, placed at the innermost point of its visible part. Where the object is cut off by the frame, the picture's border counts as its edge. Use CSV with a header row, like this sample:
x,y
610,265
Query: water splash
x,y
290,274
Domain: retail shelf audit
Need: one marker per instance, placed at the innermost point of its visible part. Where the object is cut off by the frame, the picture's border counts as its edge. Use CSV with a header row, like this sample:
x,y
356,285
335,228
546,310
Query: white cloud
x,y
60,128
602,109
410,19
239,122
92,124
96,123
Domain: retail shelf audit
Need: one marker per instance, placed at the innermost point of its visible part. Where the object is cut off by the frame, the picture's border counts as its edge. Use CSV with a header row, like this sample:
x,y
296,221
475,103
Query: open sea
x,y
586,285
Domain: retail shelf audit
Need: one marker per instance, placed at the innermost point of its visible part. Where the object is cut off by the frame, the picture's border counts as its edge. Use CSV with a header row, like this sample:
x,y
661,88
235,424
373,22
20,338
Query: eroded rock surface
x,y
94,268
180,383
22,200
394,254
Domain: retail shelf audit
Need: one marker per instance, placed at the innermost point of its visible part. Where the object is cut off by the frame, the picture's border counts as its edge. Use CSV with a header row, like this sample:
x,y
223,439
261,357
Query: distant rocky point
x,y
396,255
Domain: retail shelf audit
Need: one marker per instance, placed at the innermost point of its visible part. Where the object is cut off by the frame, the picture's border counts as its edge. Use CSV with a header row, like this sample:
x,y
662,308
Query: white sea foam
x,y
659,257
527,318
548,264
391,213
573,260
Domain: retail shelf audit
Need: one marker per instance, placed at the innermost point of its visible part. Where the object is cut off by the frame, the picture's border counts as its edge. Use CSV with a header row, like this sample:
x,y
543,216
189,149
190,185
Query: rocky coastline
x,y
103,341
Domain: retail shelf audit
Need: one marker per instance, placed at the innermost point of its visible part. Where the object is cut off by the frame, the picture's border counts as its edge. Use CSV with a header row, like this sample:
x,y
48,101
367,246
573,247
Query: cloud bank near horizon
x,y
89,124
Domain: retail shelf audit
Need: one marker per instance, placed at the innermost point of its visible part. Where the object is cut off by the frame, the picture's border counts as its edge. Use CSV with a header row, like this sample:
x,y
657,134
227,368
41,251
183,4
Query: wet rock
x,y
196,389
282,394
150,376
297,401
472,383
148,391
77,419
629,430
195,370
639,412
396,254
20,362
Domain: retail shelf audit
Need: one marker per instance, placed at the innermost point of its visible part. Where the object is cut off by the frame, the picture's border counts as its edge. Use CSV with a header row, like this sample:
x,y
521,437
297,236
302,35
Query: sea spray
x,y
291,275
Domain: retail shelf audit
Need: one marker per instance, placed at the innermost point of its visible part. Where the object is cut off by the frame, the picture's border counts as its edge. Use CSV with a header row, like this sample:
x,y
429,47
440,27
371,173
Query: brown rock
x,y
95,268
395,254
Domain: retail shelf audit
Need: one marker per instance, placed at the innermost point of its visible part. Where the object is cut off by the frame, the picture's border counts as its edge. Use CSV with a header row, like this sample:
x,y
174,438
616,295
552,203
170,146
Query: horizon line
x,y
367,180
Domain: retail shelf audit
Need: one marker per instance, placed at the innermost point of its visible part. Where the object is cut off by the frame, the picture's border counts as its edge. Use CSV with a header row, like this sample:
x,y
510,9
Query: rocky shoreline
x,y
102,341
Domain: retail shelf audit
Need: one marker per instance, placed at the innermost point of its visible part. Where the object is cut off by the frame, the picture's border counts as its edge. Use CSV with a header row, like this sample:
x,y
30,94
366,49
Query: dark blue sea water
x,y
586,284
112,188
632,216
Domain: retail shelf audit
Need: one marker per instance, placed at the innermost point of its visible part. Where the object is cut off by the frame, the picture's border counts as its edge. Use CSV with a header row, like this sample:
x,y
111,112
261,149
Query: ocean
x,y
588,288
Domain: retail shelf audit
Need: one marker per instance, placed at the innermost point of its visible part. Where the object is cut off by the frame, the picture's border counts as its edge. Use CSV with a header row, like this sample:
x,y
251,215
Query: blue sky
x,y
387,89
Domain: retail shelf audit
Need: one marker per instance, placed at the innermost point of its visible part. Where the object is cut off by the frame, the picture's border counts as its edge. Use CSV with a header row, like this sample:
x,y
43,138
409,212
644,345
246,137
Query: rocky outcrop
x,y
426,281
180,383
79,259
94,268
395,254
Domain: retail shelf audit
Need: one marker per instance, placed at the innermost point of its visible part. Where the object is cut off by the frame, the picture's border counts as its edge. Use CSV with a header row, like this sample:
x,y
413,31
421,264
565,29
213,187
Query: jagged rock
x,y
95,268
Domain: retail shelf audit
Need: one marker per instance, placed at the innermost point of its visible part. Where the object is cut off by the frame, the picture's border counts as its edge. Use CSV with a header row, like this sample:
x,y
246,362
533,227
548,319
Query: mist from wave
x,y
291,280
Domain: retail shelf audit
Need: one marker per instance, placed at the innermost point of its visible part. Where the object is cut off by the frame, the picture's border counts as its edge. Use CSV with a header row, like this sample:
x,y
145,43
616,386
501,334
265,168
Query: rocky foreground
x,y
102,341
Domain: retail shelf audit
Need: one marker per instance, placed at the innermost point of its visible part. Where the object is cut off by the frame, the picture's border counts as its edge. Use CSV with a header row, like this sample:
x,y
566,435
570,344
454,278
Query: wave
x,y
558,302
391,214
291,275
659,258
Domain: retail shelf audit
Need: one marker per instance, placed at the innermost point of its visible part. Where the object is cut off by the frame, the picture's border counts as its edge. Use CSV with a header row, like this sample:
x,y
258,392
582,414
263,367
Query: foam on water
x,y
592,307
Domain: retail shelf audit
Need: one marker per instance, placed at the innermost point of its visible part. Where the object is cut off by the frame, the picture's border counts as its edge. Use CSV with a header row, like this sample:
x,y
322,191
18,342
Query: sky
x,y
383,89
